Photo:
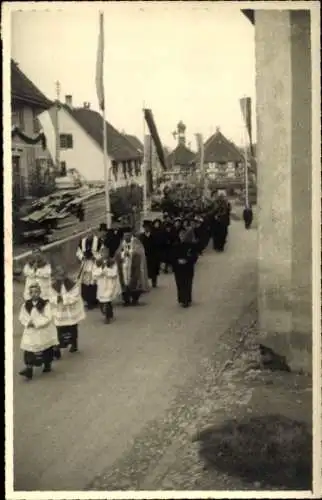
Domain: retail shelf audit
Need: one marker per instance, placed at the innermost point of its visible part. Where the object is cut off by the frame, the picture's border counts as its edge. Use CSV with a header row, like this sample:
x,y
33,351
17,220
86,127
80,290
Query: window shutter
x,y
69,141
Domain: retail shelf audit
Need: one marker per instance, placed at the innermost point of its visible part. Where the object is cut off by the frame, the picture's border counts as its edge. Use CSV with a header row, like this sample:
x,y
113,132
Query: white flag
x,y
100,63
48,122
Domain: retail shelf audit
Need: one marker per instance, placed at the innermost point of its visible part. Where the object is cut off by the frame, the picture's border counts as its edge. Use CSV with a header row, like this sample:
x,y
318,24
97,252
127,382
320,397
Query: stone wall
x,y
283,76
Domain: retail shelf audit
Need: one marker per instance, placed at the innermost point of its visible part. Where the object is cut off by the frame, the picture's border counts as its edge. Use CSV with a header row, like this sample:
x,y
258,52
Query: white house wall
x,y
216,170
86,156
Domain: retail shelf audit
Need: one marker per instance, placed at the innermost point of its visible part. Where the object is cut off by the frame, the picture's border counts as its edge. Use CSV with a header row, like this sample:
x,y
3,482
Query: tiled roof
x,y
181,155
219,149
23,90
135,142
118,146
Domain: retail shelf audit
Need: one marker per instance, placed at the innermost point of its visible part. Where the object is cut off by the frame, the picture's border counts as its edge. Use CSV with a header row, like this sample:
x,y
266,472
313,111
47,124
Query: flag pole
x,y
145,154
57,158
106,173
101,99
202,167
201,164
246,155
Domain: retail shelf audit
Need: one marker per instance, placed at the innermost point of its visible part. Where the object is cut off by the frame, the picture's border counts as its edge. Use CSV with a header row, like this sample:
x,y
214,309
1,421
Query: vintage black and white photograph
x,y
162,198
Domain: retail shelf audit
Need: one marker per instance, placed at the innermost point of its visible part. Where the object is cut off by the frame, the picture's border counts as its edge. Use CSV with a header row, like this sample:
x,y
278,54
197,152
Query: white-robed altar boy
x,y
39,335
108,284
68,310
37,270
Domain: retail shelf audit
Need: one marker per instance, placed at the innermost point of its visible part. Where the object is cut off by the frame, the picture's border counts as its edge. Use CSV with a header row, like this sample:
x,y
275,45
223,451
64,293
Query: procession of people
x,y
116,263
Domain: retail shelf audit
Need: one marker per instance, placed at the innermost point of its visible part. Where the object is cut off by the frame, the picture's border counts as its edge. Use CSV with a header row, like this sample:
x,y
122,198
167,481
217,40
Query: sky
x,y
189,61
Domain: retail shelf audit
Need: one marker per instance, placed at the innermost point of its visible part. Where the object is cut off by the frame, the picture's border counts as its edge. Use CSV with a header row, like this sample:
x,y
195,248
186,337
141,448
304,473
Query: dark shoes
x,y
27,372
57,354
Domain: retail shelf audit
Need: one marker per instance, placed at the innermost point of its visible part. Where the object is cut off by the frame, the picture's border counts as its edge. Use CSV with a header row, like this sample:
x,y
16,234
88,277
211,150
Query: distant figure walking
x,y
184,258
220,223
248,216
80,212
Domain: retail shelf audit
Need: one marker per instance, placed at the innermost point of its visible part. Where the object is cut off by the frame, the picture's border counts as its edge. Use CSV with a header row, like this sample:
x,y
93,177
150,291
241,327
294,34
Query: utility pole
x,y
57,126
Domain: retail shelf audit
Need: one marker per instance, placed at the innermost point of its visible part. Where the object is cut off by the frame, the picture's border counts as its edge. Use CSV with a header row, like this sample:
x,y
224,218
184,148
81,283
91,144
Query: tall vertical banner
x,y
101,100
100,64
48,120
148,116
155,166
201,151
148,158
245,105
246,109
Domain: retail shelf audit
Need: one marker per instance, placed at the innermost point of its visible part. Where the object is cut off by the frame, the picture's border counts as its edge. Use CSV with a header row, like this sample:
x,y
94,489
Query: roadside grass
x,y
271,450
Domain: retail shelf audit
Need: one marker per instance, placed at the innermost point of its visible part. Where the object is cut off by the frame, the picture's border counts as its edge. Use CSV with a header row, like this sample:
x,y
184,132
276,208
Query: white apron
x,y
42,276
43,335
108,283
87,266
71,310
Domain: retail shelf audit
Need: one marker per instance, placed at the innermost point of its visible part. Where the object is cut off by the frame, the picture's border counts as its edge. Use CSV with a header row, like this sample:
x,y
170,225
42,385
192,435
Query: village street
x,y
71,425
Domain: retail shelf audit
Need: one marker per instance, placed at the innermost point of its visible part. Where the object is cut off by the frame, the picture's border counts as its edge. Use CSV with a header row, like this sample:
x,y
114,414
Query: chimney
x,y
69,100
87,105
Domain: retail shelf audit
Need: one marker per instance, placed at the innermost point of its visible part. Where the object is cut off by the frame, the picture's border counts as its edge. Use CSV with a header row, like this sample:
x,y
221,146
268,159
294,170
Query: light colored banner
x,y
46,121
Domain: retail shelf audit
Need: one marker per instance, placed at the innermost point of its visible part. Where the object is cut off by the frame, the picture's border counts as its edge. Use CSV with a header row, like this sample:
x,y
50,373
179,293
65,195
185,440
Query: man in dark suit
x,y
152,252
184,258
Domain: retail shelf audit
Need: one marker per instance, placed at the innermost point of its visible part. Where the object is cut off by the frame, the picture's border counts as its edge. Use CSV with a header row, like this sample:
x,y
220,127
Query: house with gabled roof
x,y
135,142
81,146
223,161
33,172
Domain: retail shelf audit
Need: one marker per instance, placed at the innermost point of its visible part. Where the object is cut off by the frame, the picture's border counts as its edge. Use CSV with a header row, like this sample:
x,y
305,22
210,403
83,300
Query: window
x,y
66,141
17,118
21,119
36,124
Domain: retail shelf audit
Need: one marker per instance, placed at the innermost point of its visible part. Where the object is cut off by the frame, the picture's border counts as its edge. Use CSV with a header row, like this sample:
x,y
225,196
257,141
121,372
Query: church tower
x,y
181,133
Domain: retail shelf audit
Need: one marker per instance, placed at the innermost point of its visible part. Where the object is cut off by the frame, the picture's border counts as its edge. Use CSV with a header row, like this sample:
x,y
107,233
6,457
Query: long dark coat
x,y
152,254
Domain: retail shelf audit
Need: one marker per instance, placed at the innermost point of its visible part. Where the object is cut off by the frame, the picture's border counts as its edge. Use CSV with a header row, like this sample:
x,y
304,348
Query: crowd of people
x,y
115,263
